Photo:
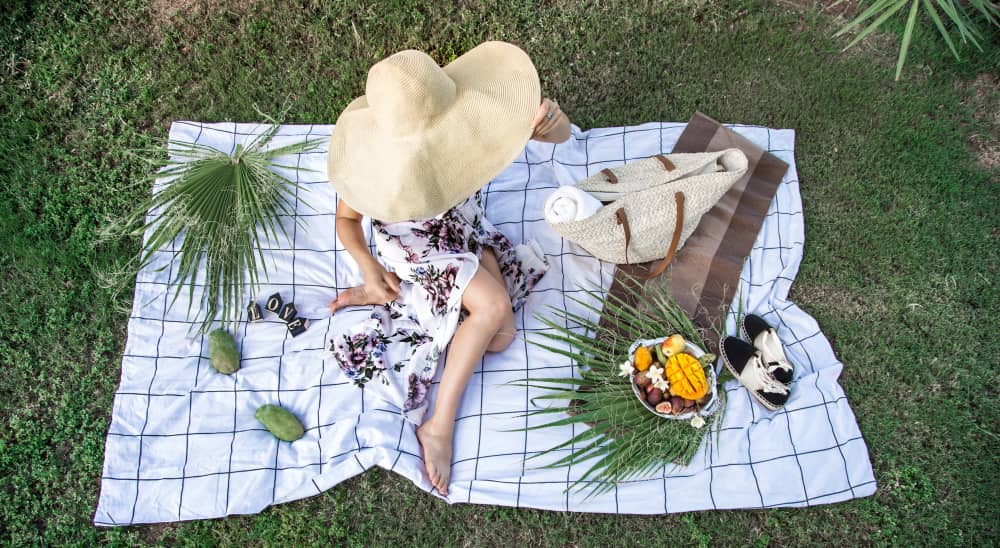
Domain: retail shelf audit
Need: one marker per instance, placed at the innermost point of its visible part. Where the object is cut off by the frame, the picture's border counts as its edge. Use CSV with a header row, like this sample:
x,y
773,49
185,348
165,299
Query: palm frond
x,y
212,212
622,441
929,6
963,17
907,36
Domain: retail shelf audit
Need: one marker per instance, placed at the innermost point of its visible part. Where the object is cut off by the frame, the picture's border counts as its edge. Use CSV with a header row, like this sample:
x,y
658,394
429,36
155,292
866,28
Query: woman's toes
x,y
442,480
437,457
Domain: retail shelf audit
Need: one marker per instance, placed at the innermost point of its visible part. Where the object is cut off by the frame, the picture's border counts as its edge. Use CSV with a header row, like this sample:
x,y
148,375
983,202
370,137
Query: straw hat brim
x,y
396,177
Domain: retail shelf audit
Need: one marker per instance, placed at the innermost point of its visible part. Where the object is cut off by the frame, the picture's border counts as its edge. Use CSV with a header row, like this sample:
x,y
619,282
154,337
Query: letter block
x,y
288,312
298,326
254,312
274,303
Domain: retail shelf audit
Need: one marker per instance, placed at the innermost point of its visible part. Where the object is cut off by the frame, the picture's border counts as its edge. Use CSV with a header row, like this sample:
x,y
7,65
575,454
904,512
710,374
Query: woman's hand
x,y
381,287
550,124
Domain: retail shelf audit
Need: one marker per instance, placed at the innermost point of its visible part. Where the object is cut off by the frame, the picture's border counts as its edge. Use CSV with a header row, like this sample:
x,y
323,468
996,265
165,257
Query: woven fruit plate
x,y
705,406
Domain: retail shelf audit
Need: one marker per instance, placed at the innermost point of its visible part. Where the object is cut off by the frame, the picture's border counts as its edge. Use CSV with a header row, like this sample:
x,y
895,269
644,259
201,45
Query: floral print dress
x,y
396,352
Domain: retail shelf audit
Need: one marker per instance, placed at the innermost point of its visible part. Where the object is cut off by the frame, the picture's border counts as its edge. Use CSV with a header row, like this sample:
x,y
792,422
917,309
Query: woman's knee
x,y
493,308
487,302
489,307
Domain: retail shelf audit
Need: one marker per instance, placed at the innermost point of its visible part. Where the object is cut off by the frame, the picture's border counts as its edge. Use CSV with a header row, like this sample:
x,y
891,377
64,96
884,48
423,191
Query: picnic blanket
x,y
183,442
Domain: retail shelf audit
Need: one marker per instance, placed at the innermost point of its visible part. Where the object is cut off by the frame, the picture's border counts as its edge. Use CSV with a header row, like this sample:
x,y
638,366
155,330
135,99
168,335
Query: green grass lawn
x,y
900,268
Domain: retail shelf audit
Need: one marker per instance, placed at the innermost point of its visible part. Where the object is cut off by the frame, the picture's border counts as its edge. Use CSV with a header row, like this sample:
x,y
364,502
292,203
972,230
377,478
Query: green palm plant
x,y
212,214
961,16
627,441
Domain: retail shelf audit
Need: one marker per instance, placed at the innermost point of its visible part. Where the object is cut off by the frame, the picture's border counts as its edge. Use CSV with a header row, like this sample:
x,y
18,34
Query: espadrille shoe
x,y
765,338
746,364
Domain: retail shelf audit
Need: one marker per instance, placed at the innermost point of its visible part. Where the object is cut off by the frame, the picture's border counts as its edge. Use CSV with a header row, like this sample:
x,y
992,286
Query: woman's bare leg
x,y
488,305
508,329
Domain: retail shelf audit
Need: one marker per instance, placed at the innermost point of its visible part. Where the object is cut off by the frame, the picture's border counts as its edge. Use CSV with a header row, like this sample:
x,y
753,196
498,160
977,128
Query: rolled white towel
x,y
569,203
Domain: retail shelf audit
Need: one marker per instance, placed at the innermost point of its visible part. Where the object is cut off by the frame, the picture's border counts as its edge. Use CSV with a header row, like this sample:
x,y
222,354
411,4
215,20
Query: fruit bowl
x,y
711,399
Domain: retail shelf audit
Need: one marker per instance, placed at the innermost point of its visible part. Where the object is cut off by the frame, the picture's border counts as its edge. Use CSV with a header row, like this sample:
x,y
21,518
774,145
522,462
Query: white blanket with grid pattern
x,y
184,444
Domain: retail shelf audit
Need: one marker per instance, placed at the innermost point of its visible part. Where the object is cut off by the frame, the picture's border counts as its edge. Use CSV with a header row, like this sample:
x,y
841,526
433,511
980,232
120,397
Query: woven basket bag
x,y
652,205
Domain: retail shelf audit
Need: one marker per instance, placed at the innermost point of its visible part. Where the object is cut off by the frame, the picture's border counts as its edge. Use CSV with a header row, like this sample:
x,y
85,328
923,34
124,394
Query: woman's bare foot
x,y
436,445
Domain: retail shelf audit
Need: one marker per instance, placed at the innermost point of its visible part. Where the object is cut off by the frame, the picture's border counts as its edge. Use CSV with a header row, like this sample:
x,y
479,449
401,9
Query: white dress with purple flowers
x,y
396,352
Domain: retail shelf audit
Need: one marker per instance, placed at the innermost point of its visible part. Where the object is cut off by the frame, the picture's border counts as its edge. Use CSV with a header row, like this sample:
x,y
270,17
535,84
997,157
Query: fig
x,y
641,380
677,403
654,396
665,408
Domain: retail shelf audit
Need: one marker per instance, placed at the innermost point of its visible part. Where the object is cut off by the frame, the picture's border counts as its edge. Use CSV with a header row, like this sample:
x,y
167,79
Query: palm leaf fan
x,y
211,214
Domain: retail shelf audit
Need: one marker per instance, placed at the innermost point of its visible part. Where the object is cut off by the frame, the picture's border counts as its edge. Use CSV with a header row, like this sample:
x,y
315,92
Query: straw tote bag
x,y
652,205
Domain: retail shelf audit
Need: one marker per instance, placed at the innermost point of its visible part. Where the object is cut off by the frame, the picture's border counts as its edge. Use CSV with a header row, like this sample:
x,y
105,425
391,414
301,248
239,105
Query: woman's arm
x,y
381,286
353,236
550,125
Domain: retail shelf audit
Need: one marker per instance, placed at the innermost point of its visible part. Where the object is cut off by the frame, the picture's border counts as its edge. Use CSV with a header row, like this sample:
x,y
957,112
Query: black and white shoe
x,y
747,365
756,331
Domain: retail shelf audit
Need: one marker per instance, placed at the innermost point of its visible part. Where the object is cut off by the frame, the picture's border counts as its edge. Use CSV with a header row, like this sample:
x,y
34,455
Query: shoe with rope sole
x,y
747,365
765,339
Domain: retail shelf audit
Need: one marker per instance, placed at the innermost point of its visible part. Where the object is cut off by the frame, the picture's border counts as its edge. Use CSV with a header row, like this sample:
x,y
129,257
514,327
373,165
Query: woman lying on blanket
x,y
413,154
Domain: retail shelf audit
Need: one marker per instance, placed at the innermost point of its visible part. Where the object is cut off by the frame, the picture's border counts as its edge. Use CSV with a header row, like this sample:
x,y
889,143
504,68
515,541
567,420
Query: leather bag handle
x,y
623,220
667,164
613,179
674,240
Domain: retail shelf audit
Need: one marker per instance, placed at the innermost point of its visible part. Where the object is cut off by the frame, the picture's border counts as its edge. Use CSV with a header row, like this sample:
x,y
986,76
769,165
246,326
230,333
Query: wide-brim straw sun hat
x,y
424,138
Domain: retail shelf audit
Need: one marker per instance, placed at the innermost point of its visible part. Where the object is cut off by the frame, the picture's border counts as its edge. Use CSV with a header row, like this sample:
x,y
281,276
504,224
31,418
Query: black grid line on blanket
x,y
791,438
562,287
152,379
770,315
192,487
527,373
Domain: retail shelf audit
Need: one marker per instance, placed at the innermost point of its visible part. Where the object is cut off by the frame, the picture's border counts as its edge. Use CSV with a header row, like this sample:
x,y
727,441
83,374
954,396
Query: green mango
x,y
280,422
660,356
222,351
707,359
